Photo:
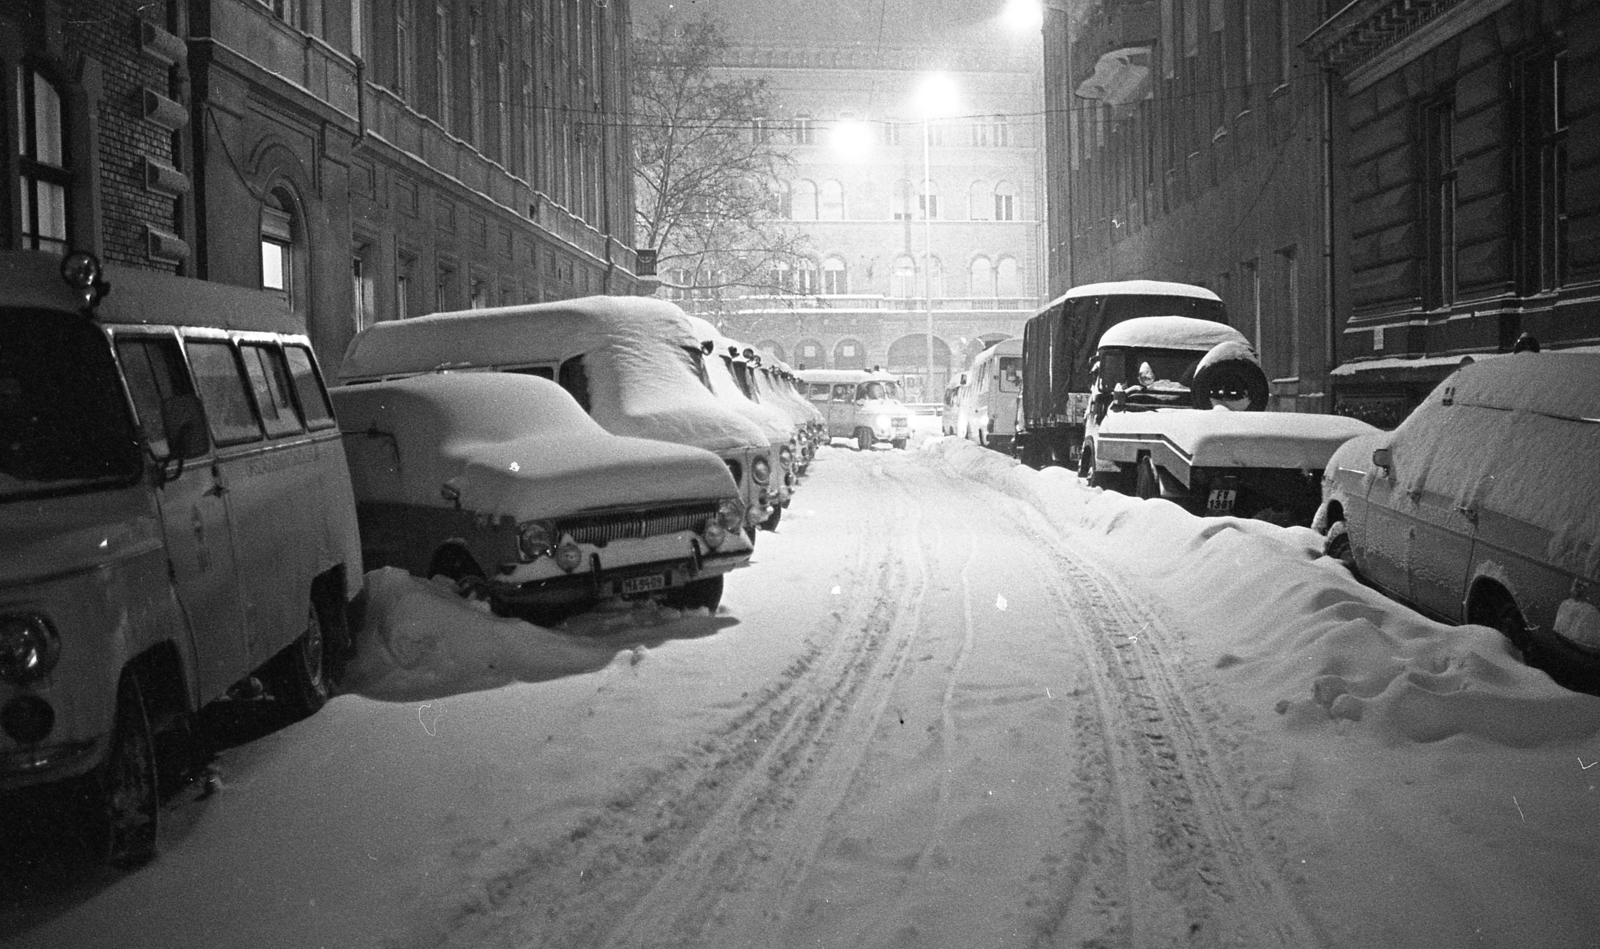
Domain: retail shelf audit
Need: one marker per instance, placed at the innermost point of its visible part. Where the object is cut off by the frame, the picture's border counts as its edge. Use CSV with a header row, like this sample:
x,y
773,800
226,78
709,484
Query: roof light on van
x,y
81,272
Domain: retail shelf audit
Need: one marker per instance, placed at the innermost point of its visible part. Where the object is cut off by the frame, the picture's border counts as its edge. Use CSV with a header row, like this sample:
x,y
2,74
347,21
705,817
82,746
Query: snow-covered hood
x,y
1220,438
642,380
515,446
776,425
57,536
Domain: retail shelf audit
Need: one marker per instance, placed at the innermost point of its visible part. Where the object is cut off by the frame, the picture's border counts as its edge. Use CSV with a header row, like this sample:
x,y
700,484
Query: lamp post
x,y
935,99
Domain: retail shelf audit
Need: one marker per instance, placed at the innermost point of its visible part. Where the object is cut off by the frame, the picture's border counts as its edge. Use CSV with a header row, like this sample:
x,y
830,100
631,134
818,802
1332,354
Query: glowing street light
x,y
851,140
1024,16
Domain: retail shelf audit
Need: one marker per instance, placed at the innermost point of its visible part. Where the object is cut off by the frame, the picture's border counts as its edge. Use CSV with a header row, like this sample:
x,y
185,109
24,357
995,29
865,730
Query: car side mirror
x,y
1382,458
1119,396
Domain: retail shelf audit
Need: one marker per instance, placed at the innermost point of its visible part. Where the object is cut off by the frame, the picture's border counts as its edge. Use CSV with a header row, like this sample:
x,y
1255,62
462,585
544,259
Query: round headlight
x,y
730,514
786,456
80,271
569,556
761,470
883,421
714,534
29,647
536,539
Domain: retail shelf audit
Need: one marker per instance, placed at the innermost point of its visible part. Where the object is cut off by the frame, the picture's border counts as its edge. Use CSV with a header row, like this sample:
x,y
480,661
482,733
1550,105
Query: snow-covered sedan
x,y
1483,506
502,483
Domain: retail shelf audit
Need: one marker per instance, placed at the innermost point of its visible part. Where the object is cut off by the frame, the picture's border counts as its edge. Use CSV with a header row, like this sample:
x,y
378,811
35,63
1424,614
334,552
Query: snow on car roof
x,y
778,425
1006,347
1519,436
641,380
1170,332
1137,288
512,445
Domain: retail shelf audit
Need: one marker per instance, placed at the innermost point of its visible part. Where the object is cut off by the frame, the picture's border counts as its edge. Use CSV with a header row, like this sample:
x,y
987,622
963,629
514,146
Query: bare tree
x,y
709,169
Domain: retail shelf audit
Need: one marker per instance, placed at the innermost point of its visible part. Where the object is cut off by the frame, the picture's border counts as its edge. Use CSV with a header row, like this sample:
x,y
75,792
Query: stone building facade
x,y
366,159
1376,188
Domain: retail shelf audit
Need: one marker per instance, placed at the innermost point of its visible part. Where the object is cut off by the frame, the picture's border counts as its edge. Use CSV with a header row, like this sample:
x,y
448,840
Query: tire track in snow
x,y
723,880
1191,869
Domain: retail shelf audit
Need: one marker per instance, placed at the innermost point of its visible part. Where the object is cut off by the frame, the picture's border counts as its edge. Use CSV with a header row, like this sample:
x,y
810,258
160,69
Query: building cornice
x,y
1370,39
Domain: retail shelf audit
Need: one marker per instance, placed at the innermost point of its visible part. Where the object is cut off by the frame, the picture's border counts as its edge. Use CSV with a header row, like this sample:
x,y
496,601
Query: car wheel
x,y
1337,545
700,593
122,812
298,674
1147,483
1086,463
898,443
1499,611
863,439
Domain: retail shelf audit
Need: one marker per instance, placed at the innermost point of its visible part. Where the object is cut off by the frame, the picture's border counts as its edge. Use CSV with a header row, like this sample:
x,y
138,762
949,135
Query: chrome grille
x,y
601,529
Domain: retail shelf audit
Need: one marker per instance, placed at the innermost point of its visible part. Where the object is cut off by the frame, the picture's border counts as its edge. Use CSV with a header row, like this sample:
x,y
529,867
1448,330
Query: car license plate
x,y
644,584
901,423
1220,501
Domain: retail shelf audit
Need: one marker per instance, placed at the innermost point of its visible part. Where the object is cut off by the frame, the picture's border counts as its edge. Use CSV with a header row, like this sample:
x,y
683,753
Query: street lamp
x,y
936,98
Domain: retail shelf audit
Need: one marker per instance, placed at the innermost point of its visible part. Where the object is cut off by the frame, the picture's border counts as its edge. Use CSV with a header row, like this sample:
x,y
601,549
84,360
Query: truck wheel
x,y
298,675
706,593
1147,482
122,812
898,443
1086,463
863,439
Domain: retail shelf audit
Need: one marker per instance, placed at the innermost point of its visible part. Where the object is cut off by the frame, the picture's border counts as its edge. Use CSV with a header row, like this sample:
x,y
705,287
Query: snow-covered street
x,y
954,702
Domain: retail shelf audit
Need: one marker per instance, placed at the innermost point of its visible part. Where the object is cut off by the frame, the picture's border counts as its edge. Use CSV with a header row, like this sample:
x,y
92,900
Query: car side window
x,y
575,379
843,392
818,392
223,390
154,370
269,379
543,372
308,389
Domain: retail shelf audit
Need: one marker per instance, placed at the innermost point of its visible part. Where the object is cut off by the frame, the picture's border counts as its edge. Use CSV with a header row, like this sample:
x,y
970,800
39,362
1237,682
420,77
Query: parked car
x,y
862,406
503,484
993,386
927,418
1177,412
631,362
774,383
1483,506
779,428
177,518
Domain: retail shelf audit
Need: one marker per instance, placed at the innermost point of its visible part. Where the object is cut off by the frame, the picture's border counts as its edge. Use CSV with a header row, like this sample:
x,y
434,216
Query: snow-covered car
x,y
1176,412
774,384
862,406
503,484
631,362
1483,506
779,428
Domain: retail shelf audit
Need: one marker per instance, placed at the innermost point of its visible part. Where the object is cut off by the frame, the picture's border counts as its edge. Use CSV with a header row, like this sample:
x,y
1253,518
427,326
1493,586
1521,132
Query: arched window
x,y
980,201
782,200
282,252
903,279
835,276
902,200
805,276
928,203
808,354
982,274
1008,278
42,163
1005,202
831,207
781,277
849,354
805,200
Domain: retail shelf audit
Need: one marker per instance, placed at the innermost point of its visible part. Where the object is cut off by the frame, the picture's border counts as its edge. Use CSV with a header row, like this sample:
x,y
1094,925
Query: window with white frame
x,y
835,276
44,176
277,247
1005,202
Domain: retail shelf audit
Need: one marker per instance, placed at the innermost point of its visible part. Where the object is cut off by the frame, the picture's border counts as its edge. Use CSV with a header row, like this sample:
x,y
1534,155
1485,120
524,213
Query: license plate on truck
x,y
644,584
1220,501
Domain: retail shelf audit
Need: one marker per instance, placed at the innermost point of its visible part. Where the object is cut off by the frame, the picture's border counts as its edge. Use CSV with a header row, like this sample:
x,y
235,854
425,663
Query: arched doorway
x,y
908,359
808,354
849,354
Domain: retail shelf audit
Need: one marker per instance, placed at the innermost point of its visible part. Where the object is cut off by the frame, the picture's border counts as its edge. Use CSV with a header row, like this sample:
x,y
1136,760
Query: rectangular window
x,y
443,62
361,286
475,77
1005,207
405,56
1541,170
155,372
269,380
43,175
223,390
1439,189
309,392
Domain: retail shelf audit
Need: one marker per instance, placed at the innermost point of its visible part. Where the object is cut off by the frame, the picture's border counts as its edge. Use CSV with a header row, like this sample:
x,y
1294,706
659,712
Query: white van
x,y
631,362
989,397
862,406
177,517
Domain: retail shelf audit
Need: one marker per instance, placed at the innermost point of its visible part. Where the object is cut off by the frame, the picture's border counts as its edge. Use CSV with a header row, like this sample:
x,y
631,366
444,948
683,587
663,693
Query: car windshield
x,y
878,389
64,421
1150,370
